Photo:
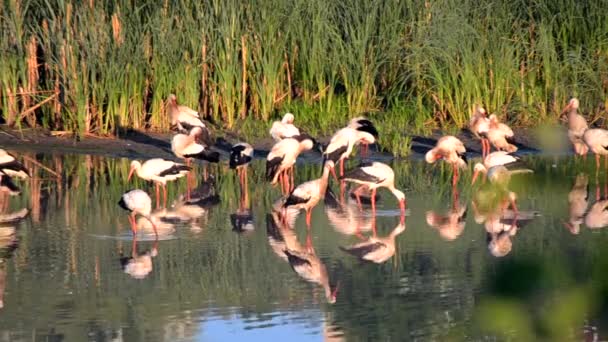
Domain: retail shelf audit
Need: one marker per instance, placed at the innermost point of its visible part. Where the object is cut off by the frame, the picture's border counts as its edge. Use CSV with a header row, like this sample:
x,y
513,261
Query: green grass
x,y
413,64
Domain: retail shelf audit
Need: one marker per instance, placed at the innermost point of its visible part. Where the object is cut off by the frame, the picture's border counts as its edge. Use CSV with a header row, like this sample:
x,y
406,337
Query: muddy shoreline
x,y
135,144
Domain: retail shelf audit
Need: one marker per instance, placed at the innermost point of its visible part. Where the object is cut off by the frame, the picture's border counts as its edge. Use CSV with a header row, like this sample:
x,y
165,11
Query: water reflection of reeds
x,y
430,288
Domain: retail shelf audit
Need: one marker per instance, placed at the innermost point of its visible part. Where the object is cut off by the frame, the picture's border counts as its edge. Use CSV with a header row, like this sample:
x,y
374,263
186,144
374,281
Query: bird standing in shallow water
x,y
241,155
494,159
308,194
597,141
137,202
373,176
282,158
158,171
451,150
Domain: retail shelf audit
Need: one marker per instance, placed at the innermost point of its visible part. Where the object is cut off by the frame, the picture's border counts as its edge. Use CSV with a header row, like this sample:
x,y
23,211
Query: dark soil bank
x,y
141,145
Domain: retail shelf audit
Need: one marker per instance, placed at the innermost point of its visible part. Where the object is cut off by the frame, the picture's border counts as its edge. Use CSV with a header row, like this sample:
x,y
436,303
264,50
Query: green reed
x,y
421,64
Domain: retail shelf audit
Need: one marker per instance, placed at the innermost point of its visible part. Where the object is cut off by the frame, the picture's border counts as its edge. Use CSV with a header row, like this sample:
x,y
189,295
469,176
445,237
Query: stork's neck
x,y
324,180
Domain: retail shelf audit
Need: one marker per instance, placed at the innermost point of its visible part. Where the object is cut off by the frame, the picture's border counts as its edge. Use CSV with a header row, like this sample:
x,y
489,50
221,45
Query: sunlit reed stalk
x,y
424,64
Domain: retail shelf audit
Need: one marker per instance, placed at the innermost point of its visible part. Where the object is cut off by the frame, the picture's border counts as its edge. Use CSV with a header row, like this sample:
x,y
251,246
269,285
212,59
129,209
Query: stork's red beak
x,y
130,174
402,205
475,175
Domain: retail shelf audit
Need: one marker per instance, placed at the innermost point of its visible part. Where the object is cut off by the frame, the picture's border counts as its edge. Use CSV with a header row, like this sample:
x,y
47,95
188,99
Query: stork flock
x,y
193,141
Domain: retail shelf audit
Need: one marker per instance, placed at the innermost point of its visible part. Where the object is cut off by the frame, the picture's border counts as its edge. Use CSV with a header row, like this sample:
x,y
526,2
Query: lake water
x,y
69,271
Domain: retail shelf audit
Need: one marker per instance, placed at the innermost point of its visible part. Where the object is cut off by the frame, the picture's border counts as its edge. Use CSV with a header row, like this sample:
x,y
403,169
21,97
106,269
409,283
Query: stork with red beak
x,y
451,150
373,176
159,171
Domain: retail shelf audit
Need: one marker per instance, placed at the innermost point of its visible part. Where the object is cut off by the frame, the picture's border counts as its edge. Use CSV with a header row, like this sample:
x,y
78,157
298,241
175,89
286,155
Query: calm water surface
x,y
462,269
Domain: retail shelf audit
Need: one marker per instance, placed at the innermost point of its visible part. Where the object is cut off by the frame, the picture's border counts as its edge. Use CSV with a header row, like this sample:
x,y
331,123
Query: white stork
x,y
493,159
597,141
577,125
282,158
373,176
452,151
158,171
186,118
185,146
137,202
479,126
365,132
340,147
241,155
284,128
498,134
307,195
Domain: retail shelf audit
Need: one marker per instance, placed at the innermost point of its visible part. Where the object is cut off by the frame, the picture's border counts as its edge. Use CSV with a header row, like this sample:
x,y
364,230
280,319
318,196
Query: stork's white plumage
x,y
597,141
493,159
376,249
479,126
137,202
11,167
185,146
284,128
307,195
451,150
340,147
365,132
186,118
501,175
282,157
373,176
159,171
577,125
498,134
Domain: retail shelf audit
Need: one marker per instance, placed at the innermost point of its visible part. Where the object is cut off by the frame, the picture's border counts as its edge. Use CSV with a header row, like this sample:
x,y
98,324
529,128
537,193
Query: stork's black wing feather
x,y
272,166
360,175
210,156
362,251
174,170
295,260
294,200
14,165
7,182
369,129
336,154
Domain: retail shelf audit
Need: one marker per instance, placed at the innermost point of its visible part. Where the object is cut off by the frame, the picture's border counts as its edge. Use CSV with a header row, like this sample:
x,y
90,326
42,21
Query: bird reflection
x,y
139,265
597,216
302,259
157,218
8,244
578,201
345,217
451,224
242,219
376,249
7,186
